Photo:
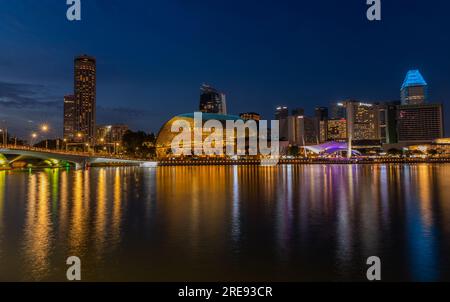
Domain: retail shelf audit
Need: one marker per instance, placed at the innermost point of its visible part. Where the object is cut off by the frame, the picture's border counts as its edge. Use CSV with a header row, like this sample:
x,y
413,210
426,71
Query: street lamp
x,y
45,128
33,137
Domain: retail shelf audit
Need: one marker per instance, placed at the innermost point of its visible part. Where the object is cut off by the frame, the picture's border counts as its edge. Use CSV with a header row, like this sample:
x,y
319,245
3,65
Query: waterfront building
x,y
321,115
414,89
69,117
362,121
419,123
250,116
282,114
212,101
85,96
337,130
166,135
331,149
388,122
110,133
337,111
302,130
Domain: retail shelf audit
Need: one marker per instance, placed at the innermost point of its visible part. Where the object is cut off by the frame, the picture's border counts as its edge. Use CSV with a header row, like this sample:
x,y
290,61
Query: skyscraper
x,y
337,111
337,130
111,133
420,123
362,121
414,89
321,117
85,95
302,130
388,122
282,114
212,101
69,117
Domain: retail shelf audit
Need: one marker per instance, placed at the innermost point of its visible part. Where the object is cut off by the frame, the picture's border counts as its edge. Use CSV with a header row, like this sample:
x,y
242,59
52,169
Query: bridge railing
x,y
73,153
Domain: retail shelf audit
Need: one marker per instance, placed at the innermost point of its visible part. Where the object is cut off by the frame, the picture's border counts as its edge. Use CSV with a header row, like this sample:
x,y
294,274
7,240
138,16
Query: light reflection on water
x,y
287,223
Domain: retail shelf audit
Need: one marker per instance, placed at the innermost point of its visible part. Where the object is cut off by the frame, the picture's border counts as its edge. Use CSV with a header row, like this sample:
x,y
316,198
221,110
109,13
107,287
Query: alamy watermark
x,y
374,10
74,10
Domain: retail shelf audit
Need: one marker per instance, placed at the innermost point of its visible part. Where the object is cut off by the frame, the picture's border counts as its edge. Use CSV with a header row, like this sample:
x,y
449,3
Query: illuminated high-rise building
x,y
337,111
321,116
212,101
337,130
414,89
110,133
85,95
69,117
362,121
282,114
388,122
420,123
302,130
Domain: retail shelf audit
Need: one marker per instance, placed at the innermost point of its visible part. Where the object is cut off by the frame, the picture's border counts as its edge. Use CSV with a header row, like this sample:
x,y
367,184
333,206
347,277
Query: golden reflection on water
x,y
116,215
2,205
197,215
100,221
38,228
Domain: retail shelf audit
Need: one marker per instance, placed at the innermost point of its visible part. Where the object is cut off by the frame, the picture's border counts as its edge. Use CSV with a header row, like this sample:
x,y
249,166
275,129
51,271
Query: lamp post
x,y
4,132
45,128
33,137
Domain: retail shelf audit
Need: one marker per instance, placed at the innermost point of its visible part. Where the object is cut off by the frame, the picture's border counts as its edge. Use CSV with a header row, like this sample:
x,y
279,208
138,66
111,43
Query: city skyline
x,y
255,75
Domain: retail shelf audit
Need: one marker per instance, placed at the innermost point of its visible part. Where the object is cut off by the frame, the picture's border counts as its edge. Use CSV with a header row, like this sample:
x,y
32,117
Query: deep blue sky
x,y
152,56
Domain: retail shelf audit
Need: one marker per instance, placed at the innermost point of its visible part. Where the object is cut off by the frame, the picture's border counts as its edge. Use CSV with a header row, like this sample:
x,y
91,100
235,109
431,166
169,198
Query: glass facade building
x,y
69,117
420,123
212,101
85,94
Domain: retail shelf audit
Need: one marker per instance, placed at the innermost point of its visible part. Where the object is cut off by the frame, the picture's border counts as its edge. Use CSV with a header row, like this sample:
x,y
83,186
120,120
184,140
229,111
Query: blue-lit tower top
x,y
414,88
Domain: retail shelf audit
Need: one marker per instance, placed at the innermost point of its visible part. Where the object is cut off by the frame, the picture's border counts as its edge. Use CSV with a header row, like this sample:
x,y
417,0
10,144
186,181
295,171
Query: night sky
x,y
152,56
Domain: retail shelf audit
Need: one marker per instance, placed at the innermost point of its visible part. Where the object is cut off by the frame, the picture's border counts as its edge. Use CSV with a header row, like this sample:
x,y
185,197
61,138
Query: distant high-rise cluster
x,y
79,108
368,125
212,101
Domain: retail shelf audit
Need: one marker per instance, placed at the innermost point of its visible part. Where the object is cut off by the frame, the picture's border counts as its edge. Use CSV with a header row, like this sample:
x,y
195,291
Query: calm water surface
x,y
287,223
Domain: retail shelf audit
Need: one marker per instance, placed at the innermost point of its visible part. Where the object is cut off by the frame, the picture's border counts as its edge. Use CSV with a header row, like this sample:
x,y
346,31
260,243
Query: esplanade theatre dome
x,y
166,136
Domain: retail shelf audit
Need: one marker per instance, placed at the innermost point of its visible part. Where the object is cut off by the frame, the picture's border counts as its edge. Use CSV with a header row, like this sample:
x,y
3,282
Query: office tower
x,y
362,121
337,111
321,113
420,123
414,89
212,101
302,130
110,133
337,130
69,121
250,116
85,94
388,122
282,114
321,116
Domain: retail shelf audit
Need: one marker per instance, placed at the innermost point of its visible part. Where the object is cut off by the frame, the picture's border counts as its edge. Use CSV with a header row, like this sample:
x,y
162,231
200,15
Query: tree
x,y
293,150
432,152
139,144
394,152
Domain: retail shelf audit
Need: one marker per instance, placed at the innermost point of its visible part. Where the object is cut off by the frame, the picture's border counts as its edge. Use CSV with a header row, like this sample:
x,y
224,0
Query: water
x,y
287,223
